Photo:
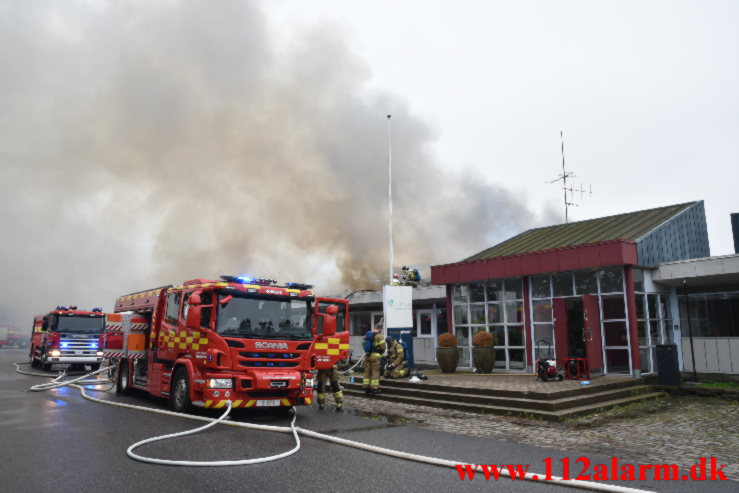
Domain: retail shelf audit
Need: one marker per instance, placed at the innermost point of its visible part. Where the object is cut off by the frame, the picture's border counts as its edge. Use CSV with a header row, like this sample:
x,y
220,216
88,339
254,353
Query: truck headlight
x,y
55,353
99,353
219,383
309,382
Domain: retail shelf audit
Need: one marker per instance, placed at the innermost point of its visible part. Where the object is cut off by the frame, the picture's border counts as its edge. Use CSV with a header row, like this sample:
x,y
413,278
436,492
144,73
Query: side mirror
x,y
193,317
329,320
193,312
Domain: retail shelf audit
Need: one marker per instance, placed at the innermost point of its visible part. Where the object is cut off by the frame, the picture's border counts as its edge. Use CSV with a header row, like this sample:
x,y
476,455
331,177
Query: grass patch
x,y
714,384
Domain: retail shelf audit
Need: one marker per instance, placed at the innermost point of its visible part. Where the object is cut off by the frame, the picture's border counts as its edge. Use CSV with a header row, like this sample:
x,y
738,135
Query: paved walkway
x,y
676,430
511,381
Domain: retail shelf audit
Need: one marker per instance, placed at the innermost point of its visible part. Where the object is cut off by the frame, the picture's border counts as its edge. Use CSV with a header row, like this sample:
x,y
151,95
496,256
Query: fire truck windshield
x,y
263,317
80,324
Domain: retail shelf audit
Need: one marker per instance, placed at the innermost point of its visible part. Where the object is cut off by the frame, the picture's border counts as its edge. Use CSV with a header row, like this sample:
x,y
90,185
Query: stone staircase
x,y
549,406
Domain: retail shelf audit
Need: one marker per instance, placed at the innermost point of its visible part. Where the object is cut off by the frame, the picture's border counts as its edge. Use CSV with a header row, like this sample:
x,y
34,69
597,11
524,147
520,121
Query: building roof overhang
x,y
699,272
593,255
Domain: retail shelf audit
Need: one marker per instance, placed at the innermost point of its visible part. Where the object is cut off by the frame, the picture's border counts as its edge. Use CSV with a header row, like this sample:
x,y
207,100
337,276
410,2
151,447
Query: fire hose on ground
x,y
296,431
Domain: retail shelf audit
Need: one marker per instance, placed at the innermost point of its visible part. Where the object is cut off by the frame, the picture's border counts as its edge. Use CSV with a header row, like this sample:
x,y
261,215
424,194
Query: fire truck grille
x,y
269,364
78,347
270,355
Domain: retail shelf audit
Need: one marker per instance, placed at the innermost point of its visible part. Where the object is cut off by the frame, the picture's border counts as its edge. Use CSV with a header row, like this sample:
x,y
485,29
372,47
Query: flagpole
x,y
390,196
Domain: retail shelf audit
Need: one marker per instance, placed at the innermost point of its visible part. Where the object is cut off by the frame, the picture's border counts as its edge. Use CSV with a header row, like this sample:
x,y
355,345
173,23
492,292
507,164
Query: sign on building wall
x,y
397,306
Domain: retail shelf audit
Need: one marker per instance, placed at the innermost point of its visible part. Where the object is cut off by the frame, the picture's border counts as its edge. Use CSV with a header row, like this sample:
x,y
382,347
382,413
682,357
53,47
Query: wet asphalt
x,y
58,441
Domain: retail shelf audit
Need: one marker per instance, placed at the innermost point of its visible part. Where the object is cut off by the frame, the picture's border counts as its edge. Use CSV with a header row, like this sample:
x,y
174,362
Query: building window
x,y
711,314
495,306
361,322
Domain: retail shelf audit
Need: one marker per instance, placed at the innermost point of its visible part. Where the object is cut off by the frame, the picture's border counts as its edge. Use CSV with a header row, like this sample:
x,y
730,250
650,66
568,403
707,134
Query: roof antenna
x,y
563,178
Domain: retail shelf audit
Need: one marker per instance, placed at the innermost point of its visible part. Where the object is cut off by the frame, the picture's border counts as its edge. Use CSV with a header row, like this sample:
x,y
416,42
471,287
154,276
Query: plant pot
x,y
484,359
447,357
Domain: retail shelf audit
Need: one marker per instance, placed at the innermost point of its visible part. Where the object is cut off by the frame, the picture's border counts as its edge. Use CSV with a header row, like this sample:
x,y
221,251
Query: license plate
x,y
270,402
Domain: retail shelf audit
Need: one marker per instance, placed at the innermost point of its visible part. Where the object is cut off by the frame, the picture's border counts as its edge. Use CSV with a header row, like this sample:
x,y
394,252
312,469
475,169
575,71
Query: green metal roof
x,y
630,226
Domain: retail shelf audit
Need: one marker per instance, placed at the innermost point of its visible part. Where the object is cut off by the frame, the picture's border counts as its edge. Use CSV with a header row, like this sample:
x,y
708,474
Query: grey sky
x,y
146,143
645,92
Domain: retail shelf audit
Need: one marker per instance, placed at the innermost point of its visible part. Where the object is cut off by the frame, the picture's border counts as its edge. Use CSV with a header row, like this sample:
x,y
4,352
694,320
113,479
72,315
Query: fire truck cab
x,y
244,340
68,336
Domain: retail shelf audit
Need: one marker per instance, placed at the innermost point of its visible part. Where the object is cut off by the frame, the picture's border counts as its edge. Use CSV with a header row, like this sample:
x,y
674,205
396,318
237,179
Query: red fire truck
x,y
238,339
68,336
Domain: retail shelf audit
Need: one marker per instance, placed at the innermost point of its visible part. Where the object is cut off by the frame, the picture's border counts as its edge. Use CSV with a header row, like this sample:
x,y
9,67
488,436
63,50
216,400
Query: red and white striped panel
x,y
114,354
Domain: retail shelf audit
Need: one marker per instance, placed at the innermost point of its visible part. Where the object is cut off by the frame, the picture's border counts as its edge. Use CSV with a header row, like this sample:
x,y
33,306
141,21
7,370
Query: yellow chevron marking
x,y
220,404
250,403
237,403
208,403
285,402
308,400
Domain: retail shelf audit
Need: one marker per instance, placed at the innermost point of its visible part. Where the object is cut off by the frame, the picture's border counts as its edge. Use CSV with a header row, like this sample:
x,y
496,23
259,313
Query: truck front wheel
x,y
179,398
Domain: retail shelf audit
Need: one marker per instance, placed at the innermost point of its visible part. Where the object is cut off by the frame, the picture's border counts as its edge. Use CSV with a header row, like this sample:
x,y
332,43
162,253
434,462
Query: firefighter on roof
x,y
395,360
332,376
372,359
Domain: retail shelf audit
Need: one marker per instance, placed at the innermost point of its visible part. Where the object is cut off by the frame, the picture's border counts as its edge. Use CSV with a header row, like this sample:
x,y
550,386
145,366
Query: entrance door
x,y
575,329
593,339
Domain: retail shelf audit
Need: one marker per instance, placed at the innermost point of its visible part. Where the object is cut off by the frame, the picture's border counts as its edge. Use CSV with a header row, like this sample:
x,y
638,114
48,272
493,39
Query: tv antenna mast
x,y
569,201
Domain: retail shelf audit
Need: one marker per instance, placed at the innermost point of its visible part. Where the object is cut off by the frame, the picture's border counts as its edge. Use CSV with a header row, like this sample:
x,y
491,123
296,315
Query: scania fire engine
x,y
238,339
68,336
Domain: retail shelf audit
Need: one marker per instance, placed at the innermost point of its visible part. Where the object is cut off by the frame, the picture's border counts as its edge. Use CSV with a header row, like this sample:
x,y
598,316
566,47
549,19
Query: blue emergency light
x,y
249,280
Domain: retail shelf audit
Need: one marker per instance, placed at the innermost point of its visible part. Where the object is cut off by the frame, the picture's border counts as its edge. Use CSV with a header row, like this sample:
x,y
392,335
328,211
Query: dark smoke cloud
x,y
144,144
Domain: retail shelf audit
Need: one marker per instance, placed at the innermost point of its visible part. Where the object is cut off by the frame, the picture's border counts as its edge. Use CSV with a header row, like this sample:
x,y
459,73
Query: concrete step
x,y
550,403
578,407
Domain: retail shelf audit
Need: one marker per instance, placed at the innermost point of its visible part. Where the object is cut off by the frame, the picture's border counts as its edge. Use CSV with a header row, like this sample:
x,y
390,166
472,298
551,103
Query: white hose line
x,y
242,462
57,382
587,485
351,370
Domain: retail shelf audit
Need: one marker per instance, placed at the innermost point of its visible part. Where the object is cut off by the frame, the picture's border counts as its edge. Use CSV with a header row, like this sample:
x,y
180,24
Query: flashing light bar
x,y
62,308
297,285
249,280
97,309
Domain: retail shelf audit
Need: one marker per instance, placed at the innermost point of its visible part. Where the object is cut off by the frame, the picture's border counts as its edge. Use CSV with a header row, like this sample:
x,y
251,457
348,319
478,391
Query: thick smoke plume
x,y
146,143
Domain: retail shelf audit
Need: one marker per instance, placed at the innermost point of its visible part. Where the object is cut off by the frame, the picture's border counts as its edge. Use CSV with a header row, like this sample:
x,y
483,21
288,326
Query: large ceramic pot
x,y
447,357
483,358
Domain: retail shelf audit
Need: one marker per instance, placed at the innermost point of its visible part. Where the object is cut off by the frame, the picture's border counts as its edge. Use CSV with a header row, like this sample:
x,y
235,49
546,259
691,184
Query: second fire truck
x,y
238,339
68,336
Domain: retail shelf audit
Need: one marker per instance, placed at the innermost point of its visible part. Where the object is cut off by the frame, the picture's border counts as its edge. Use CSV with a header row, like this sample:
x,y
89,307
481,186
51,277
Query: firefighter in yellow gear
x,y
372,360
332,376
395,360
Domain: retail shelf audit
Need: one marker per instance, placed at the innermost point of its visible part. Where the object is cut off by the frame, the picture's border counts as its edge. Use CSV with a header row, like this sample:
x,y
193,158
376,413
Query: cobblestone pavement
x,y
676,430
